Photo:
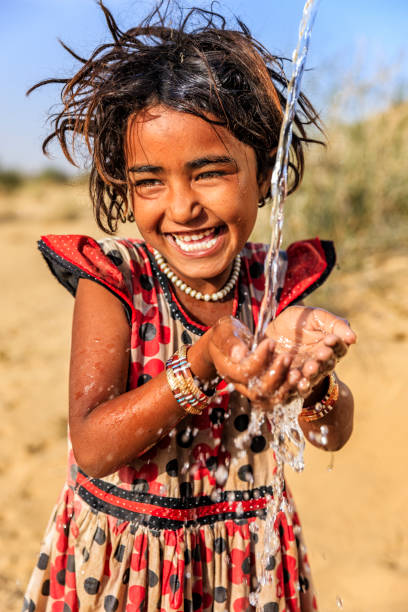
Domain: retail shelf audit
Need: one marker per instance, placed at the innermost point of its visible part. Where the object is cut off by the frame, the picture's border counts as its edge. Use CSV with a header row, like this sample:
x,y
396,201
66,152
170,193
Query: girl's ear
x,y
264,179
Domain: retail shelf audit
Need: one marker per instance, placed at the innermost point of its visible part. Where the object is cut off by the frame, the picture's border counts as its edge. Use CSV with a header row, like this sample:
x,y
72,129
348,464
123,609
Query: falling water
x,y
280,171
287,437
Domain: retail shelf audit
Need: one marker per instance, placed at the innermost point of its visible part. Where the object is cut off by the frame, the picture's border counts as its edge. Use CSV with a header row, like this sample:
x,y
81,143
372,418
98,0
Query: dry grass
x,y
355,191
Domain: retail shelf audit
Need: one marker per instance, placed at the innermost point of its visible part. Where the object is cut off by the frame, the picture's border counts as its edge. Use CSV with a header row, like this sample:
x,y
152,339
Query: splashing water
x,y
287,437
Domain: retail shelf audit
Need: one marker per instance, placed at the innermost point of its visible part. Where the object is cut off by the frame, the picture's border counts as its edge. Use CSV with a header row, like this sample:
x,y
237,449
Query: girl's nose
x,y
183,205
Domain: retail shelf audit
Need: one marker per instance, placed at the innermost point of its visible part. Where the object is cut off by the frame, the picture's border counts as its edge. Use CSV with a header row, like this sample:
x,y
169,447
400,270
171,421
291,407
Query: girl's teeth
x,y
195,246
193,237
190,242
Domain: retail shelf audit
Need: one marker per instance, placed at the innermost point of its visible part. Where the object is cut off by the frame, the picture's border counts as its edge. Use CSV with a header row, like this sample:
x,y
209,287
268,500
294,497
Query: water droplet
x,y
221,475
339,602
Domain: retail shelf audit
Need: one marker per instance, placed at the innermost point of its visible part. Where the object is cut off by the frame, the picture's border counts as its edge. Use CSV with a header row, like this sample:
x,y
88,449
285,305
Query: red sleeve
x,y
73,257
309,264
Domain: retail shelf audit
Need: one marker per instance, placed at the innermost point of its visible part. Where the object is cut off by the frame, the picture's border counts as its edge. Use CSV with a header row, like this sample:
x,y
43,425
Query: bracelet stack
x,y
181,382
326,405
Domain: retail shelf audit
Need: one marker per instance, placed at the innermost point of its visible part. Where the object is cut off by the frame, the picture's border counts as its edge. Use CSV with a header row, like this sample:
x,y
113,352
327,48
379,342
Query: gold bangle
x,y
326,405
182,394
181,382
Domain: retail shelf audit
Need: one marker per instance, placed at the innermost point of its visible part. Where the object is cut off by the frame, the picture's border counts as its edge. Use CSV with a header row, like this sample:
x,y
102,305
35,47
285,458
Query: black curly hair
x,y
200,67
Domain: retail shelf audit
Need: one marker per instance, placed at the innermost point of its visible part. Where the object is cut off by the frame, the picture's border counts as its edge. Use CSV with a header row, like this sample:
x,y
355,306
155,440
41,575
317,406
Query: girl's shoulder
x,y
306,264
112,262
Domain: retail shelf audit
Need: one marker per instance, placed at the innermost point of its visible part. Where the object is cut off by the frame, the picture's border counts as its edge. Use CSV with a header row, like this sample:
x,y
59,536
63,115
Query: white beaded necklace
x,y
206,297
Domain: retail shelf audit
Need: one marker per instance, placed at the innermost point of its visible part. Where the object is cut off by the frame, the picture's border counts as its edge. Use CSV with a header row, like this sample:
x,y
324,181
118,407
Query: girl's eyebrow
x,y
146,168
193,165
211,159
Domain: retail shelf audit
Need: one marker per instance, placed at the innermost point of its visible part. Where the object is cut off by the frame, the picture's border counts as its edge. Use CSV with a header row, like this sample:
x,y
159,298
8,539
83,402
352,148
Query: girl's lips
x,y
199,243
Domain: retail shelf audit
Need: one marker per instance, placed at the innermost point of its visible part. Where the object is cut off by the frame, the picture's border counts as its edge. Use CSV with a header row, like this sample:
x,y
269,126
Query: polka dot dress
x,y
182,527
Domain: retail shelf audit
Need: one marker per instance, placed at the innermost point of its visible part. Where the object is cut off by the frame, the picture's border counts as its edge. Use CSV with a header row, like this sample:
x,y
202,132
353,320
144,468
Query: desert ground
x,y
353,504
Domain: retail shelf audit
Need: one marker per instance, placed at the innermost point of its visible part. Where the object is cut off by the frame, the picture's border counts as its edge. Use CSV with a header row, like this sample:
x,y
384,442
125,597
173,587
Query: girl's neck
x,y
205,313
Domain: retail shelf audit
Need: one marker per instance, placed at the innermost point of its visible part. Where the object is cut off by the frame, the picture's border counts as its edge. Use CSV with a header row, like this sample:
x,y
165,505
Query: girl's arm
x,y
111,427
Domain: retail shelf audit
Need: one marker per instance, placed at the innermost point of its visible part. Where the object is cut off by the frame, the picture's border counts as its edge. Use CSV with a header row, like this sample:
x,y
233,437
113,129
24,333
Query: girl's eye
x,y
147,184
210,174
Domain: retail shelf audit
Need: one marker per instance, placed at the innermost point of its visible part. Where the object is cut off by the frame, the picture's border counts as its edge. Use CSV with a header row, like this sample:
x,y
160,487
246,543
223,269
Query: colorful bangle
x,y
326,405
181,382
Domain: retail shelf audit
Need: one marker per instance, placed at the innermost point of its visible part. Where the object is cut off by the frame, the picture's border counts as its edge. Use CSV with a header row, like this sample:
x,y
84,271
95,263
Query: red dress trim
x,y
309,264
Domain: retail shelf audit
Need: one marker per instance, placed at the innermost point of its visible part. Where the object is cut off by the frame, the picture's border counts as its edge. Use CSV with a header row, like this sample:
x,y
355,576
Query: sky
x,y
353,41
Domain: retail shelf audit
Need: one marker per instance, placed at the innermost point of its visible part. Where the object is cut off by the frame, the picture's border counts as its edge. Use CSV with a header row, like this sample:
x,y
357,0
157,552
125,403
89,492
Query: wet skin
x,y
192,182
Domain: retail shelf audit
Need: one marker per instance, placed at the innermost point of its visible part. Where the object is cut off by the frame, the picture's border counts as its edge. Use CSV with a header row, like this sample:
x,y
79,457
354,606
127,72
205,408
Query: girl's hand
x,y
259,374
315,339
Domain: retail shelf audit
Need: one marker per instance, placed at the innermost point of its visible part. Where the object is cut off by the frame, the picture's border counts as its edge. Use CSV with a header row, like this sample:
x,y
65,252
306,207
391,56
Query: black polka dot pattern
x,y
245,473
119,552
99,536
186,338
71,563
217,416
61,577
256,269
146,282
147,332
45,589
258,444
174,583
197,601
91,585
220,594
110,603
220,545
28,605
126,575
303,584
42,561
271,563
143,379
241,422
188,605
172,468
115,257
271,607
185,438
153,578
246,565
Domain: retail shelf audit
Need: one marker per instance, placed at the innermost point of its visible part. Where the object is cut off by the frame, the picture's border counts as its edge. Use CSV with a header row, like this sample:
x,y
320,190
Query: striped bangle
x,y
181,382
326,405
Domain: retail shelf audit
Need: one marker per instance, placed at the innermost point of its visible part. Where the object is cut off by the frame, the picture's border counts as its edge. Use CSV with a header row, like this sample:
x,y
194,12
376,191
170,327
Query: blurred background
x,y
355,191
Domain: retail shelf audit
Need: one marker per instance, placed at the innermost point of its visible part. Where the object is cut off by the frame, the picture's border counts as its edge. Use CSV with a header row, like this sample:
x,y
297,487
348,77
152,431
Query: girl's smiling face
x,y
194,189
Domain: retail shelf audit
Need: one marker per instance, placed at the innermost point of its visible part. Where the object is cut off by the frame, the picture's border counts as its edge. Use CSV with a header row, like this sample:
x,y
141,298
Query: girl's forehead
x,y
160,131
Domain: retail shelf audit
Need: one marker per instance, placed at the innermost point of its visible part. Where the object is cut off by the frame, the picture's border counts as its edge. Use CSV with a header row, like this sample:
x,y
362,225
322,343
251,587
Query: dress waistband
x,y
159,512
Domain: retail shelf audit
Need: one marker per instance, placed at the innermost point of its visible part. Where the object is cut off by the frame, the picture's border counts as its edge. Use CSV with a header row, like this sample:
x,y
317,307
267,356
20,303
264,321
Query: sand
x,y
353,504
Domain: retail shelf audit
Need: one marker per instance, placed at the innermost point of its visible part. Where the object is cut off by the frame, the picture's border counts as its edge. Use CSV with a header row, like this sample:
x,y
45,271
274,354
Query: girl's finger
x,y
338,346
250,365
342,329
276,375
304,386
258,361
289,387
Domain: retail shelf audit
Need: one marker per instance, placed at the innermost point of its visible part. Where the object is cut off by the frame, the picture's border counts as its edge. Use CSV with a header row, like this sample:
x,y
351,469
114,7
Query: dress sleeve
x,y
309,264
73,257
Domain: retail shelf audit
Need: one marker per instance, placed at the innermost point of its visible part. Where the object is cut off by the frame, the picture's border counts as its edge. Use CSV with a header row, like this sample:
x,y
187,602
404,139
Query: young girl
x,y
164,505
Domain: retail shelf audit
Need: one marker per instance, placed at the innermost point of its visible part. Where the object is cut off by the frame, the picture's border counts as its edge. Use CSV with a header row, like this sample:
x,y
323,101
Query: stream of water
x,y
287,437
